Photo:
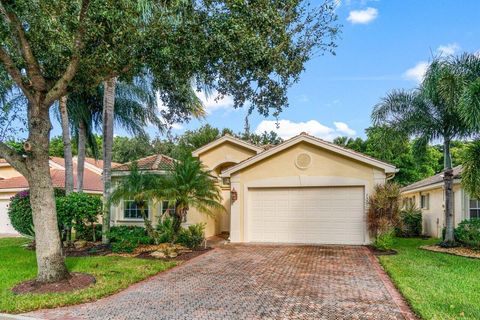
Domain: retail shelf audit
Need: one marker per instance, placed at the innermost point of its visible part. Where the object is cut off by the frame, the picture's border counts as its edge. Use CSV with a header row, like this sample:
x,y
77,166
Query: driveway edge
x,y
392,290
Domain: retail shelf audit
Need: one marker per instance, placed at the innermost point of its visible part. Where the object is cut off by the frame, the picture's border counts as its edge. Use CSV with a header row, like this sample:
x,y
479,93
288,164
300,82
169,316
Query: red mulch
x,y
180,257
76,281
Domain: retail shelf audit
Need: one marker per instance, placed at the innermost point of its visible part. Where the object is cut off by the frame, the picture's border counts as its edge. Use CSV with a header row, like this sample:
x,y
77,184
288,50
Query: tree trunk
x,y
178,219
50,260
148,224
108,112
67,145
82,137
448,189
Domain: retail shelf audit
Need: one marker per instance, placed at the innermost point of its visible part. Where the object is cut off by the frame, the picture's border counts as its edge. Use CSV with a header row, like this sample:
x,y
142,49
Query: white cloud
x,y
362,16
418,72
211,103
448,49
342,127
288,129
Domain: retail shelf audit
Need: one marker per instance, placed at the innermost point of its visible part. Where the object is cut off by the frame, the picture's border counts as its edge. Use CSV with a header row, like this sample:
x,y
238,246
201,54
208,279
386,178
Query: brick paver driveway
x,y
254,282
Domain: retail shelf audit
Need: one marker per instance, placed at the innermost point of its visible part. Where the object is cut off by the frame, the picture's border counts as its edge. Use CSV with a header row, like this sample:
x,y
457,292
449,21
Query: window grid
x,y
131,210
424,201
474,209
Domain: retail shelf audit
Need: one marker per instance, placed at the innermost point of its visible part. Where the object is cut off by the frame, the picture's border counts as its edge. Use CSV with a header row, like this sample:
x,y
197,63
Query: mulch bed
x,y
92,249
182,257
378,252
457,251
76,281
142,252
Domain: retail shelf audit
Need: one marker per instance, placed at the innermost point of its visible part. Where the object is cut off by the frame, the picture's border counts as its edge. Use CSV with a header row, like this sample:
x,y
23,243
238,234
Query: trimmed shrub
x,y
83,210
193,236
88,233
124,246
20,212
166,232
410,222
127,238
468,233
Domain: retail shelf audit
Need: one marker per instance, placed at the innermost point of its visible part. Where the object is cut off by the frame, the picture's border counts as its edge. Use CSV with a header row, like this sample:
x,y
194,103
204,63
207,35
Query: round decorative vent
x,y
303,161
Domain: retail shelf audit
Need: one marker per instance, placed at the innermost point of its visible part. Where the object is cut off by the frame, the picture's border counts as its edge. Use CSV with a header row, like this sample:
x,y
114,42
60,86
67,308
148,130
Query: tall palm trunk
x,y
67,145
50,260
108,112
82,140
448,189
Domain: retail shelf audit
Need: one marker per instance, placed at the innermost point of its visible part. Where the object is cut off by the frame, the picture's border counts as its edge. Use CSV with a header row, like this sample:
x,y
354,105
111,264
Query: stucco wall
x,y
226,152
219,158
434,217
327,169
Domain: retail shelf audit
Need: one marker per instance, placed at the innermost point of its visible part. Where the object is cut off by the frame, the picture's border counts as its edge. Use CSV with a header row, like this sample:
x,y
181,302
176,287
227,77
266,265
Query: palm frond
x,y
471,170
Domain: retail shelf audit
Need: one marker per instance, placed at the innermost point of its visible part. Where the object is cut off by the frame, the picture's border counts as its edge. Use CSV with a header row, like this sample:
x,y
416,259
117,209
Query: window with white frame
x,y
425,201
474,209
133,210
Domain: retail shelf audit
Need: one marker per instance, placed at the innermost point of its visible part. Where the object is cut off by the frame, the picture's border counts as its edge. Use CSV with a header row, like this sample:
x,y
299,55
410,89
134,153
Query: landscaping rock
x,y
158,254
80,244
172,254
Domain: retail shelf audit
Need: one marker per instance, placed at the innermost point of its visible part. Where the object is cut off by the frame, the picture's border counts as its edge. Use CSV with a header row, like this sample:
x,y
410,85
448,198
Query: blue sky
x,y
384,44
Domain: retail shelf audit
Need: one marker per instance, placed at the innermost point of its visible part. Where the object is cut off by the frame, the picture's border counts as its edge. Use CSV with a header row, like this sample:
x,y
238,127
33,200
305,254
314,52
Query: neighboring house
x,y
304,190
126,212
12,182
428,195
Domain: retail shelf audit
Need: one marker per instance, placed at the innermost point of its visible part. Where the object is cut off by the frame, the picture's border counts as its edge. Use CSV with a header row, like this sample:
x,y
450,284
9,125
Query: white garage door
x,y
5,225
327,215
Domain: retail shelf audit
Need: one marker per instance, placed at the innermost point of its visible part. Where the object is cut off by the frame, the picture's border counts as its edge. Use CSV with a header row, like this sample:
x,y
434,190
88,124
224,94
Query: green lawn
x,y
437,285
112,273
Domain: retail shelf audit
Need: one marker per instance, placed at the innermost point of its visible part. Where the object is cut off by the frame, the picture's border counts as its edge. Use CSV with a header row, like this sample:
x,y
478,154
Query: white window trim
x,y
470,208
134,219
425,206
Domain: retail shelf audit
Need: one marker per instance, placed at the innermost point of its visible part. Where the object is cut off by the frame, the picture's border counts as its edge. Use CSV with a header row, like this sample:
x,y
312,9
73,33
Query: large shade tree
x,y
432,112
252,51
44,45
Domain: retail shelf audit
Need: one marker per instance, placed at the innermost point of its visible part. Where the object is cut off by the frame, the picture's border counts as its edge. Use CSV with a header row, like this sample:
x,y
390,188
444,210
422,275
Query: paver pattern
x,y
253,282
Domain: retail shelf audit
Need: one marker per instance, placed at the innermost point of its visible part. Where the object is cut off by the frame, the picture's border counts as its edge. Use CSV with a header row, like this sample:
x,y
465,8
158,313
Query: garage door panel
x,y
307,215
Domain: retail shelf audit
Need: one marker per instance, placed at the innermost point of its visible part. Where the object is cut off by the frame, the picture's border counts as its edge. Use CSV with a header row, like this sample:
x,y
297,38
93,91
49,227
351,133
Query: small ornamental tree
x,y
383,211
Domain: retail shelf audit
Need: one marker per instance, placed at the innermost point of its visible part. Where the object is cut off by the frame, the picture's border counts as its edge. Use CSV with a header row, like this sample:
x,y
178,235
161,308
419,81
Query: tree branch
x,y
15,74
33,69
12,157
60,87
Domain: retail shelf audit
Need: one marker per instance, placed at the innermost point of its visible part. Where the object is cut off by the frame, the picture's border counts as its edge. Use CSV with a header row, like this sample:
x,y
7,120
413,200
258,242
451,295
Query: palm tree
x,y
467,67
187,186
109,87
137,186
471,170
67,144
429,113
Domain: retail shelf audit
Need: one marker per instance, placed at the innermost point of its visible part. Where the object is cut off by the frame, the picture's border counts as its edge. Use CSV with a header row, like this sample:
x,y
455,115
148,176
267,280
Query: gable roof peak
x,y
389,168
227,137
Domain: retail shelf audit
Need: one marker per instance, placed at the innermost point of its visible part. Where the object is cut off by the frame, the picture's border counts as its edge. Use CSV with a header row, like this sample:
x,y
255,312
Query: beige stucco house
x,y
428,195
304,190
